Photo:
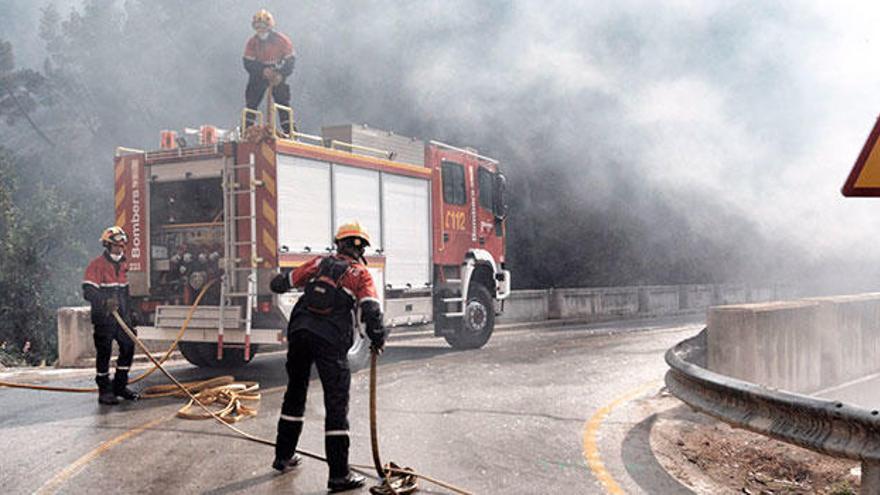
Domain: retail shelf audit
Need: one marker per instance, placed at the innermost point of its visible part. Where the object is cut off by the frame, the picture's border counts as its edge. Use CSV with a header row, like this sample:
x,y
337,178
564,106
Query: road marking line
x,y
52,486
72,470
591,448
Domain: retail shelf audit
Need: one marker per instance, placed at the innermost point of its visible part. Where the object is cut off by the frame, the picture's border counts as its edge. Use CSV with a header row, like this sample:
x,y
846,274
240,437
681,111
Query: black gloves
x,y
377,339
111,305
281,283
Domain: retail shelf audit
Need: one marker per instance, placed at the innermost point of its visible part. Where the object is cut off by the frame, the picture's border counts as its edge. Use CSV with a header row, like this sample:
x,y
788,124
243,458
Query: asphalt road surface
x,y
538,410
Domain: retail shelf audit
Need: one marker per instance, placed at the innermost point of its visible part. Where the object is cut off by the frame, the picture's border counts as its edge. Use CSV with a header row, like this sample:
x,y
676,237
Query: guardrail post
x,y
870,477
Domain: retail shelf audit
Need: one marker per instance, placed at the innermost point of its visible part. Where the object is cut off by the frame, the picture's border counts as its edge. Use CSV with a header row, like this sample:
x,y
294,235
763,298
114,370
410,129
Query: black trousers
x,y
304,349
104,337
253,94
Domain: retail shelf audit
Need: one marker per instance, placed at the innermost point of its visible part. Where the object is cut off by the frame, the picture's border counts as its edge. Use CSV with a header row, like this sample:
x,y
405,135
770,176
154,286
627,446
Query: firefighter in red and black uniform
x,y
321,330
105,286
268,58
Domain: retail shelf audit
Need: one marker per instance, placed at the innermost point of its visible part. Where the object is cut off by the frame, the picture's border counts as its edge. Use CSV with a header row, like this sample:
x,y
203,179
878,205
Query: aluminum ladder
x,y
234,266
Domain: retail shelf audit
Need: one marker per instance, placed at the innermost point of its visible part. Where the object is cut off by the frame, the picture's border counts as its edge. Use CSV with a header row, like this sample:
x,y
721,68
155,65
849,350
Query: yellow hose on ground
x,y
247,436
189,315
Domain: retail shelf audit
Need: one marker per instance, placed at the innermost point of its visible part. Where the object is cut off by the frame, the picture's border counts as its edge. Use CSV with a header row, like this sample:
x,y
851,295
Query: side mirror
x,y
500,197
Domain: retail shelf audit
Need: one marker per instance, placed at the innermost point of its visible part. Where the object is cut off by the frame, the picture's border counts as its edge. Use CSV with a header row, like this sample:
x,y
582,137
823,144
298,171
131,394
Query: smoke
x,y
687,141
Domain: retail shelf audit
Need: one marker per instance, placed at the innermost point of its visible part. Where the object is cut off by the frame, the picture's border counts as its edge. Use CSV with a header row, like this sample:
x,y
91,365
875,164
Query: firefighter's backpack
x,y
323,293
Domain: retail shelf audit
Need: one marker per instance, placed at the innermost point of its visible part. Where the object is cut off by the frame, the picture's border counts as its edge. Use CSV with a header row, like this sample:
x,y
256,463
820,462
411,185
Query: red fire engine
x,y
239,210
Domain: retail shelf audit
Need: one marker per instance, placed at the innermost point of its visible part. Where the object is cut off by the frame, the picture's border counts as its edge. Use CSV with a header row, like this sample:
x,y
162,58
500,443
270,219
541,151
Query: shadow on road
x,y
642,466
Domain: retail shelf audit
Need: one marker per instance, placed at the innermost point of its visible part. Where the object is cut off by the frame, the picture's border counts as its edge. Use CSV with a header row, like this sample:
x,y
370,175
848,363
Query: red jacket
x,y
276,51
105,279
355,282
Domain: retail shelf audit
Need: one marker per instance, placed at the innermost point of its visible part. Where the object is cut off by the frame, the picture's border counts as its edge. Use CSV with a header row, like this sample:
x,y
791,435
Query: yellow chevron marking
x,y
268,212
269,181
120,220
120,169
269,243
120,195
268,153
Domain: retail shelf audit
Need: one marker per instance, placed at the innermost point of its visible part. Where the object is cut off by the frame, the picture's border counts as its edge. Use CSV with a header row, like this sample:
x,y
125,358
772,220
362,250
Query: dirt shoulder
x,y
708,456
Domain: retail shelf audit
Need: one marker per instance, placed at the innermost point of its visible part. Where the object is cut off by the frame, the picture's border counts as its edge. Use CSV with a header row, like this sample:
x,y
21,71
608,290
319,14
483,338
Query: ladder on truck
x,y
234,266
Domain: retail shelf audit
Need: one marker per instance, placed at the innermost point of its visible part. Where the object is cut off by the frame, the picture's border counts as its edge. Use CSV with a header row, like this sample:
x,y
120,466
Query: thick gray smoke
x,y
687,141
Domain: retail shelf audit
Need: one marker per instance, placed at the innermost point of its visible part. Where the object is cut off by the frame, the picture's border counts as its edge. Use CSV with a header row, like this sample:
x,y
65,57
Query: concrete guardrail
x,y
75,345
753,364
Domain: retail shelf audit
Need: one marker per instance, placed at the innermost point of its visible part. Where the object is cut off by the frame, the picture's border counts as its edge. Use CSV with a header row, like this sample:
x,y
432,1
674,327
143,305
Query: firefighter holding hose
x,y
321,331
105,286
268,59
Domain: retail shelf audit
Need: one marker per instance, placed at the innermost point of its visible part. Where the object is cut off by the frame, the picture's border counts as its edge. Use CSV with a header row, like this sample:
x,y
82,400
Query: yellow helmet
x,y
355,230
263,17
114,235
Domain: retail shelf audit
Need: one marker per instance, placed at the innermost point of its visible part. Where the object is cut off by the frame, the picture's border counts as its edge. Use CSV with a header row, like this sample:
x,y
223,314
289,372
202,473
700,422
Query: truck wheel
x,y
478,320
359,353
204,355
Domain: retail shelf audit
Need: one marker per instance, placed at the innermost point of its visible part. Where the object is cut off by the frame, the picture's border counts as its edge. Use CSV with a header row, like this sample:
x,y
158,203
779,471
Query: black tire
x,y
478,321
204,355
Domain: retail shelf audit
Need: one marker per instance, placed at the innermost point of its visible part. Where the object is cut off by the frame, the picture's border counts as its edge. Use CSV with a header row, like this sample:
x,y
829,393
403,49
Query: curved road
x,y
540,410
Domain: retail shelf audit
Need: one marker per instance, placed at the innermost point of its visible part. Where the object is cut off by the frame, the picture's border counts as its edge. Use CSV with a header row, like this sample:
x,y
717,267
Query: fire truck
x,y
233,212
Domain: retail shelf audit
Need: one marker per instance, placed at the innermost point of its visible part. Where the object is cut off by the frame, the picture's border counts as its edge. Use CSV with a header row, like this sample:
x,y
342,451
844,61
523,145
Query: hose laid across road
x,y
147,392
224,392
195,400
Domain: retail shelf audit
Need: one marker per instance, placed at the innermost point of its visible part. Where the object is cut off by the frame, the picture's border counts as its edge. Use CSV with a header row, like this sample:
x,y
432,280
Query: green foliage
x,y
841,488
19,90
37,260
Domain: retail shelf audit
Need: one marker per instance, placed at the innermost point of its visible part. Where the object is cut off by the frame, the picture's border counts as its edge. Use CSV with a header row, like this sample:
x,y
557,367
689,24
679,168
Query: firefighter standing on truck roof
x,y
105,286
321,330
268,58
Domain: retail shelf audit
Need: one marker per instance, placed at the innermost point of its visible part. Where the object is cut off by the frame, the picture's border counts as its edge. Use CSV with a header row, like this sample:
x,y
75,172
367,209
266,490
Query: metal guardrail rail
x,y
825,426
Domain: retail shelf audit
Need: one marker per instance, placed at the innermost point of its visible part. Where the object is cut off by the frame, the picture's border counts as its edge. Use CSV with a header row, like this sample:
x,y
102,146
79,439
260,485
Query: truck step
x,y
239,294
453,299
453,280
454,315
236,192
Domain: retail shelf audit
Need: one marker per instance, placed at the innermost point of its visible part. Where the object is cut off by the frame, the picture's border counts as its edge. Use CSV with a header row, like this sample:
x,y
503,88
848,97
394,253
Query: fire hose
x,y
403,474
221,391
229,395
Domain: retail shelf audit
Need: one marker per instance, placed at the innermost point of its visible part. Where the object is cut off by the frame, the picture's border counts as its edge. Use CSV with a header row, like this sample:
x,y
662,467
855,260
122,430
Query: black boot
x,y
120,386
105,391
348,482
286,441
286,464
341,477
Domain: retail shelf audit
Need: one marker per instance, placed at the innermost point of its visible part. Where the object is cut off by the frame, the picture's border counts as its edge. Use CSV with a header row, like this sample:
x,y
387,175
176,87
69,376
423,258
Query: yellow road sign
x,y
864,179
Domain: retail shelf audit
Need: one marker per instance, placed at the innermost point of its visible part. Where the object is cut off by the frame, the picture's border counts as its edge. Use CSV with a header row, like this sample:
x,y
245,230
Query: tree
x,y
19,91
39,264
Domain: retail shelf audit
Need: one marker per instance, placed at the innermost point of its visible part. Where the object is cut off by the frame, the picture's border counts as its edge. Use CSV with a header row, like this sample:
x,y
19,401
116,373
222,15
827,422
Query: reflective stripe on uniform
x,y
292,418
89,282
336,433
103,374
123,368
